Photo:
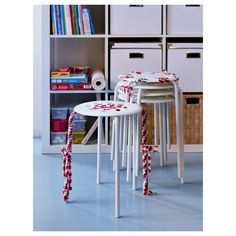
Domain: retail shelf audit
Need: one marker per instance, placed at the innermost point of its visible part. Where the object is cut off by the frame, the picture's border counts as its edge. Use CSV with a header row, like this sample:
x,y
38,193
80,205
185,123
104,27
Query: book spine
x,y
62,19
80,19
68,81
88,29
52,20
81,16
68,20
75,20
84,86
57,11
72,19
91,21
85,22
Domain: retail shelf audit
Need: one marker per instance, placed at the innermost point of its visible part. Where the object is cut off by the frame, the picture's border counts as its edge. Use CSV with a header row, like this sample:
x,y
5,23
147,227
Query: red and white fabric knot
x,y
146,153
67,156
126,89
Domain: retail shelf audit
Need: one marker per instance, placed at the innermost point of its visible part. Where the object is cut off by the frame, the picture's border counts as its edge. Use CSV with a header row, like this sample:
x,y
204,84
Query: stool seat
x,y
107,108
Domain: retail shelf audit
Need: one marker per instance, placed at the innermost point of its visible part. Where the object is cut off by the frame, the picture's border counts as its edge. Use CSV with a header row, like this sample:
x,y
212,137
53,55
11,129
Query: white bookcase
x,y
92,50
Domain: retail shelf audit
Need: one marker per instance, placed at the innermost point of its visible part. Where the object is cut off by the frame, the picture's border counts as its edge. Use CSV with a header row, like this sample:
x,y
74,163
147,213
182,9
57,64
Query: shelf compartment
x,y
74,48
98,19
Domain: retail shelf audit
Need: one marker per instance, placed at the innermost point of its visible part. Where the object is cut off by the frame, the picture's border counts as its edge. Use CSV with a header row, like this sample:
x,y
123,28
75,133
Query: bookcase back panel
x,y
77,52
98,17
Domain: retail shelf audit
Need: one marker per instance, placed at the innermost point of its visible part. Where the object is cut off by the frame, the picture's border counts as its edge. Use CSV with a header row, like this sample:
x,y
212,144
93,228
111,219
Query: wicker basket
x,y
193,120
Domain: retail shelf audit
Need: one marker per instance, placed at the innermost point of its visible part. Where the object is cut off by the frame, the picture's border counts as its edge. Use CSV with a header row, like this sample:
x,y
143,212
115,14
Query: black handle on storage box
x,y
192,100
136,55
192,5
193,55
135,5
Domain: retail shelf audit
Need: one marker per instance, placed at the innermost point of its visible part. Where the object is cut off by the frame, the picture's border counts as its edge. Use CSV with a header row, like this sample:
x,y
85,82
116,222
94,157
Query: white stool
x,y
117,110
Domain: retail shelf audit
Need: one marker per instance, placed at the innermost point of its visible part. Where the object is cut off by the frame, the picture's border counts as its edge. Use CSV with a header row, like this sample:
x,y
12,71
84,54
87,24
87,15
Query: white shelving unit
x,y
92,50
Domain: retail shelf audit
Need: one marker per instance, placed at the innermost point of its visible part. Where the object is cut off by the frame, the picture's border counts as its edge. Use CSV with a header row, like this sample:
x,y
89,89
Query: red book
x,y
72,19
81,86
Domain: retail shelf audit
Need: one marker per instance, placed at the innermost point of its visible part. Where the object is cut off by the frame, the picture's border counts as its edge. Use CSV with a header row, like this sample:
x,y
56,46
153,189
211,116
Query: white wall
x,y
37,70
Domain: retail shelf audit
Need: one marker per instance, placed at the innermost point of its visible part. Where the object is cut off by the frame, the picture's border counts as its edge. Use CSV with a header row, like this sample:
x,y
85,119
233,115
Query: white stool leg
x,y
99,150
164,133
178,134
182,137
113,140
161,134
124,149
121,132
134,151
155,124
128,173
168,125
138,145
117,169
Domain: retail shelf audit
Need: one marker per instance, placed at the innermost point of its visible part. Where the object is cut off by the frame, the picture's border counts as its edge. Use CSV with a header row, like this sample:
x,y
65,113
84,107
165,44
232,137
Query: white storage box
x,y
59,112
128,57
135,19
58,137
185,19
186,60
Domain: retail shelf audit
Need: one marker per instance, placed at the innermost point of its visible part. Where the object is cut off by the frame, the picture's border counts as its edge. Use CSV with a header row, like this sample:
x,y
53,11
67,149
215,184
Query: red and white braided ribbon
x,y
67,156
146,152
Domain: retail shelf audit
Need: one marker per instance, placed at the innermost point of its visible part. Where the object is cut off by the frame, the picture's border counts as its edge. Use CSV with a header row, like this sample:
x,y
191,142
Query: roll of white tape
x,y
98,80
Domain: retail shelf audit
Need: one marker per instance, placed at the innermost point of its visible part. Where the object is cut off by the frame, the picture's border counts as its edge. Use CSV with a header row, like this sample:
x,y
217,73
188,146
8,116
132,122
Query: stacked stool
x,y
159,89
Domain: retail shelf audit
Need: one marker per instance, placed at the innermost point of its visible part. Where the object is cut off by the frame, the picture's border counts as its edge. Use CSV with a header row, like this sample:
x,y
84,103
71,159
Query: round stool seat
x,y
107,108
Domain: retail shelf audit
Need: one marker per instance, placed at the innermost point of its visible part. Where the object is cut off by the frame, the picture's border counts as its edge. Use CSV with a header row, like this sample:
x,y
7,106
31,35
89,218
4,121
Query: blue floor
x,y
91,207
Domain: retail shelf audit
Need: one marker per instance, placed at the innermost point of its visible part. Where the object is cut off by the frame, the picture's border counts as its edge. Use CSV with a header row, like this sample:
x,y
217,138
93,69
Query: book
x,y
63,28
75,19
67,20
68,80
58,21
80,69
72,19
60,74
52,19
91,21
79,86
87,29
74,78
80,19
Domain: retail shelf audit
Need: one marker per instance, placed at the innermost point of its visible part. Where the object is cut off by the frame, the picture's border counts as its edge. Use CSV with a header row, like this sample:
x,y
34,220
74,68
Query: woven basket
x,y
193,120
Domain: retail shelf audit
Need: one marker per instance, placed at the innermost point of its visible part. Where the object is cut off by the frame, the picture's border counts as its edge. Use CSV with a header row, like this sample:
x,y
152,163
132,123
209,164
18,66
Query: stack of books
x,y
70,78
71,20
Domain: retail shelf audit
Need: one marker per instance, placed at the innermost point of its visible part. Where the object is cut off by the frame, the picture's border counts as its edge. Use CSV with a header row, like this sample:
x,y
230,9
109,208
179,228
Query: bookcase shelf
x,y
77,36
91,50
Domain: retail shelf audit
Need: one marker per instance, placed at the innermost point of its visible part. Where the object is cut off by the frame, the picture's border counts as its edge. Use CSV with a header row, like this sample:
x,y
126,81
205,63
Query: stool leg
x,y
121,131
168,125
155,124
161,134
124,149
128,173
138,145
113,140
178,130
117,168
99,150
134,151
182,137
164,133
